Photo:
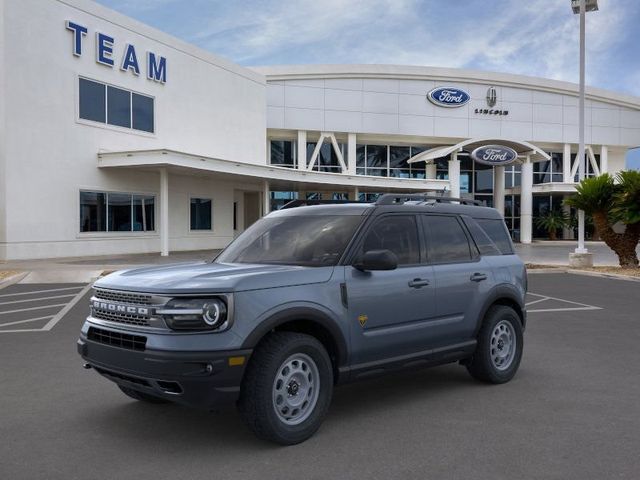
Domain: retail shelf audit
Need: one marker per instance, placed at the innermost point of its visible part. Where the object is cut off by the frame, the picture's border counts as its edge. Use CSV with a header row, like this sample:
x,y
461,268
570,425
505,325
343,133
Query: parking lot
x,y
572,412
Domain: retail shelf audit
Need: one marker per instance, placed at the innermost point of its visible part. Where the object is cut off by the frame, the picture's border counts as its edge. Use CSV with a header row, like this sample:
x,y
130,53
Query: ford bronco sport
x,y
310,297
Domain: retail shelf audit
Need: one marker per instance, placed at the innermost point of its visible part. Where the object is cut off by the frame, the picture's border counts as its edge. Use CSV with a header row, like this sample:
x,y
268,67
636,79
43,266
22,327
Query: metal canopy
x,y
522,148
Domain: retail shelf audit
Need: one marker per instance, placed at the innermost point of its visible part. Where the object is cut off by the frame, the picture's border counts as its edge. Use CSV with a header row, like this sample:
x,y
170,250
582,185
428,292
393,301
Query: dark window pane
x,y
485,245
398,157
92,101
283,153
143,213
93,212
398,234
483,181
200,214
142,113
360,157
497,232
556,162
465,163
118,107
377,156
119,212
447,240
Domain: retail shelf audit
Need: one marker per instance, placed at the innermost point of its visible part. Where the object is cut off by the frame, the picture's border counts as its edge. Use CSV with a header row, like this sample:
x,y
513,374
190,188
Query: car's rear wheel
x,y
141,396
499,349
287,388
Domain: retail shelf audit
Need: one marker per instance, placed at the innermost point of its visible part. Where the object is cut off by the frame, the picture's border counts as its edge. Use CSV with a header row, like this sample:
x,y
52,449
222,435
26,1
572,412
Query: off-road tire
x,y
256,403
141,396
481,366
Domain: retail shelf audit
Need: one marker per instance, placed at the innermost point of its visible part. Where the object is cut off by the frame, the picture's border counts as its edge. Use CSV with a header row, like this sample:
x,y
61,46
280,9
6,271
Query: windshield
x,y
313,241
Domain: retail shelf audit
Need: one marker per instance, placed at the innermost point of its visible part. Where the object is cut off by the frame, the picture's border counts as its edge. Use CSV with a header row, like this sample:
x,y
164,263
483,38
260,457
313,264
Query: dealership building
x,y
118,138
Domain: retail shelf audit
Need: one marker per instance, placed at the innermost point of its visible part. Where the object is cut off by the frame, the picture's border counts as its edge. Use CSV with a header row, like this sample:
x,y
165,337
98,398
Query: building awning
x,y
279,178
522,148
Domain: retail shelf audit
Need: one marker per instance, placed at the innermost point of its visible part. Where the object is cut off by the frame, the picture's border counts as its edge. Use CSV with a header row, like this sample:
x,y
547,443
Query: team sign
x,y
156,64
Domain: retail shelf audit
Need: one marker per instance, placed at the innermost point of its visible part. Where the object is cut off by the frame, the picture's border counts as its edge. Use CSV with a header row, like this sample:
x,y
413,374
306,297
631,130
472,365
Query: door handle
x,y
478,277
418,282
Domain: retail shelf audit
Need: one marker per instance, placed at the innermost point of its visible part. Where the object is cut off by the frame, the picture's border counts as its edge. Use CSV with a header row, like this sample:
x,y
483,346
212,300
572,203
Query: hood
x,y
212,277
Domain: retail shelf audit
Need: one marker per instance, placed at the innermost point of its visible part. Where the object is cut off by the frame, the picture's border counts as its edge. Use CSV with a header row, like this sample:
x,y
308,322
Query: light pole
x,y
580,7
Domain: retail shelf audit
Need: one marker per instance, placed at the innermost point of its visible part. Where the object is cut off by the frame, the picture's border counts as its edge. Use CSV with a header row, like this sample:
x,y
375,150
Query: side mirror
x,y
377,260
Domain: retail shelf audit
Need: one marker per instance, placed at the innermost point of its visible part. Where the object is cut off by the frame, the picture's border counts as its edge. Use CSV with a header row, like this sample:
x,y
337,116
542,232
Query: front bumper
x,y
196,379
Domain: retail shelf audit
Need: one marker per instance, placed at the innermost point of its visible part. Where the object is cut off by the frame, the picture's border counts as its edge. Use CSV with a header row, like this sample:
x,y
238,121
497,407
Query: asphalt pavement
x,y
572,411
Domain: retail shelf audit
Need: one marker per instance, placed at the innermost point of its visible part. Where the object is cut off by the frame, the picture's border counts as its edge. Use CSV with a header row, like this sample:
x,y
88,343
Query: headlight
x,y
195,314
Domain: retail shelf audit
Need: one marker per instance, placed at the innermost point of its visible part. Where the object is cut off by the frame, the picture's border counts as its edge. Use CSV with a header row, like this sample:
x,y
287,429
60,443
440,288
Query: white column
x,y
566,164
526,201
353,194
164,212
302,150
431,171
498,189
454,175
266,198
604,159
351,153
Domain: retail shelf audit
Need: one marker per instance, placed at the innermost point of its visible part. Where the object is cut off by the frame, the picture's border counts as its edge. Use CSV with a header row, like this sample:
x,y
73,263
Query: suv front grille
x,y
117,339
127,318
124,297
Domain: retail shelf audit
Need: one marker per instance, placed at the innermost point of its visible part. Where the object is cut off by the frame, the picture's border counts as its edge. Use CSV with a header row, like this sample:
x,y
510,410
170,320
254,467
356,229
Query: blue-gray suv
x,y
309,297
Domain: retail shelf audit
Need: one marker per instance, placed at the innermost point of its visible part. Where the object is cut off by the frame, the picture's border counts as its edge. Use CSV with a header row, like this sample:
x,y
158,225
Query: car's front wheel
x,y
287,388
499,349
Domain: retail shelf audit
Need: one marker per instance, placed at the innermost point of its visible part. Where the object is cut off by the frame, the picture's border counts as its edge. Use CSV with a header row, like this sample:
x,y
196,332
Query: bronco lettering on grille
x,y
112,307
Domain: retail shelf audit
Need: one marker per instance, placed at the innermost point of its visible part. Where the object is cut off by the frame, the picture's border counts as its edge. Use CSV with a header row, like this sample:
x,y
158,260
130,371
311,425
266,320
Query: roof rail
x,y
394,199
302,203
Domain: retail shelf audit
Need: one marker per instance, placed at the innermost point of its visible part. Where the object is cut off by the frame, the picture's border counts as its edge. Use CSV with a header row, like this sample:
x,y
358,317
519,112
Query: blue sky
x,y
530,37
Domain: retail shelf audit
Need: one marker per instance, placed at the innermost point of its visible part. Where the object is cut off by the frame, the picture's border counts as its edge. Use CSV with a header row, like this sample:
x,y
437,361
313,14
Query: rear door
x,y
462,277
390,311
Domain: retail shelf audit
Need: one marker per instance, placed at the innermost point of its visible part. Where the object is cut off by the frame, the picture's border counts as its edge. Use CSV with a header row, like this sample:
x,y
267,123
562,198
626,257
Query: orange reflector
x,y
236,361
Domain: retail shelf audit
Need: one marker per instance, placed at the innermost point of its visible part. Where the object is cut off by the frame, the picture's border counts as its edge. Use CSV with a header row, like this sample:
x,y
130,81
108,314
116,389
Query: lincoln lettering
x,y
129,60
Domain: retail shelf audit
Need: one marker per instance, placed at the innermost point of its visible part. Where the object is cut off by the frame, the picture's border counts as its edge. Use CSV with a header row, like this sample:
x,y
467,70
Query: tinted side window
x,y
483,242
447,241
497,231
397,233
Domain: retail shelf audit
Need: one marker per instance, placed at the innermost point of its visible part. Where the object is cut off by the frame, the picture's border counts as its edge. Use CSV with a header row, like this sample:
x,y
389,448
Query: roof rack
x,y
302,203
394,199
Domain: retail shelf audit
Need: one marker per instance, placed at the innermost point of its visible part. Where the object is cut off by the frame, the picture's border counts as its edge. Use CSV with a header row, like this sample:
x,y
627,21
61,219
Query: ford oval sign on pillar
x,y
448,97
494,155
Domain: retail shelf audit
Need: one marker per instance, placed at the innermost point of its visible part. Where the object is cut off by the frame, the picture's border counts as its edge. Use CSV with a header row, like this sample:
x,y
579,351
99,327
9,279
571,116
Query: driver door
x,y
390,311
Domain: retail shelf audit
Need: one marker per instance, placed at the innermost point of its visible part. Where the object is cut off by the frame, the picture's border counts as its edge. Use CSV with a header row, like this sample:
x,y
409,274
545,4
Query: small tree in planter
x,y
608,203
552,221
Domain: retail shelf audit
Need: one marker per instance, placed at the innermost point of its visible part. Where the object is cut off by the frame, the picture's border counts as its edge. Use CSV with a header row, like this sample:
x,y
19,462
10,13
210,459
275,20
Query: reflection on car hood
x,y
212,277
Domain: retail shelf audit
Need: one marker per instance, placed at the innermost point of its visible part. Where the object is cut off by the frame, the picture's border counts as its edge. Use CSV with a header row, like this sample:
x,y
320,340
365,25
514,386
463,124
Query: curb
x,y
572,271
13,279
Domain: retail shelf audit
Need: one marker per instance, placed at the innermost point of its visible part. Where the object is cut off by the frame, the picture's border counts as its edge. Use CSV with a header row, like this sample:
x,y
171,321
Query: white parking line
x,y
33,308
37,299
69,306
580,306
40,291
24,321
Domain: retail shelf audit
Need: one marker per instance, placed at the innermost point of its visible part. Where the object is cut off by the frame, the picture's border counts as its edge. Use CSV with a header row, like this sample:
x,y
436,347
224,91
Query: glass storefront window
x,y
283,153
201,212
116,212
93,212
143,213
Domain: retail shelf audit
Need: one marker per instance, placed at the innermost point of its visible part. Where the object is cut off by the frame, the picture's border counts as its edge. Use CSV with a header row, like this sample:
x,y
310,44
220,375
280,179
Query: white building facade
x,y
117,138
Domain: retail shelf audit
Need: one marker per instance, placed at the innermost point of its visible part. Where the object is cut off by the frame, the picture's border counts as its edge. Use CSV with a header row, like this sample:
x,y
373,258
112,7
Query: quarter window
x,y
201,214
447,241
397,233
116,212
103,103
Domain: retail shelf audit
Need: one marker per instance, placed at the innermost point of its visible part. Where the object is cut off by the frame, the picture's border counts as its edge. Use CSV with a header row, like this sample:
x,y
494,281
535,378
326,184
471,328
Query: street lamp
x,y
580,7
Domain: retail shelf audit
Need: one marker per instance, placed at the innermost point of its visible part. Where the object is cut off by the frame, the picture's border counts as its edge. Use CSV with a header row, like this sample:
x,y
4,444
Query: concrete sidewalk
x,y
557,253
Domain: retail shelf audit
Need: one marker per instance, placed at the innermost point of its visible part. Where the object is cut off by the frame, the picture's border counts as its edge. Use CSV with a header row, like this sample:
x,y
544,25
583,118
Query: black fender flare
x,y
499,292
310,314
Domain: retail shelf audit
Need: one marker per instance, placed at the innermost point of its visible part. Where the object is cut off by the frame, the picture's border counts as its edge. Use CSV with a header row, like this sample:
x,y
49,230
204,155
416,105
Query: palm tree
x,y
610,202
552,221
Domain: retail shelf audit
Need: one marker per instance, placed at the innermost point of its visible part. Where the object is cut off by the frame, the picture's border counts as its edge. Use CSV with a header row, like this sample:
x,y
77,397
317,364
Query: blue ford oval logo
x,y
448,97
494,155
